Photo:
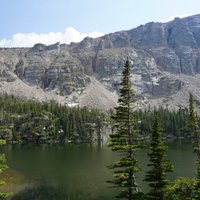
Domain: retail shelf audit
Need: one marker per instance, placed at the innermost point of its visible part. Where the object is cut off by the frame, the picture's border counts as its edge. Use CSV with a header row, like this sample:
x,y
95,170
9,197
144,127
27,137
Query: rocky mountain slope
x,y
165,59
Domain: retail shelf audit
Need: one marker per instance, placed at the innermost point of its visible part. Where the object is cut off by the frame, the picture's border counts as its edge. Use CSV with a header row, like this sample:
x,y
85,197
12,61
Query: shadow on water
x,y
69,172
47,191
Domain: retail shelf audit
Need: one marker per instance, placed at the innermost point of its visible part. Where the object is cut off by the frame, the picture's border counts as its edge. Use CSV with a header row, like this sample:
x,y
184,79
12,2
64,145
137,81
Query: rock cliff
x,y
165,60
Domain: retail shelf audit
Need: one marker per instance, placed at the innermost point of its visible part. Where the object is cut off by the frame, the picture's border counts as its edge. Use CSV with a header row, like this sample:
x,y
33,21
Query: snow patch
x,y
136,78
72,104
155,80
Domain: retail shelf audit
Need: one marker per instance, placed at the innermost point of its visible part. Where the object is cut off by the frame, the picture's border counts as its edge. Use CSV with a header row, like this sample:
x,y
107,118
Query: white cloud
x,y
29,39
170,18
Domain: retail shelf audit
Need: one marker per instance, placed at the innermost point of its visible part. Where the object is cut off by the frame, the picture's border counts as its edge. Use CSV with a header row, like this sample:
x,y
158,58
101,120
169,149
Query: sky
x,y
26,22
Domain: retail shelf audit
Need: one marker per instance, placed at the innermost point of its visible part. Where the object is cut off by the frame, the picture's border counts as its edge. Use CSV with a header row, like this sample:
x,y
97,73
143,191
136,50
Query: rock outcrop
x,y
165,59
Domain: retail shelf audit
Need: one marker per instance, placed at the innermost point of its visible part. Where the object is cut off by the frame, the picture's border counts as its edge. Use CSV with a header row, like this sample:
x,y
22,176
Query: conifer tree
x,y
125,141
3,166
192,120
159,165
195,132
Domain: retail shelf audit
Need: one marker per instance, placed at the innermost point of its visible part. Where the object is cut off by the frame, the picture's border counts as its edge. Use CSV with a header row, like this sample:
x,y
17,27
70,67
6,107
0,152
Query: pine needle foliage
x,y
195,131
3,167
159,164
125,140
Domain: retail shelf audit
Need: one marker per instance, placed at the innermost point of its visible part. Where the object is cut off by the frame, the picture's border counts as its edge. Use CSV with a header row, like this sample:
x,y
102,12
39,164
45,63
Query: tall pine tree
x,y
195,132
192,120
125,140
159,165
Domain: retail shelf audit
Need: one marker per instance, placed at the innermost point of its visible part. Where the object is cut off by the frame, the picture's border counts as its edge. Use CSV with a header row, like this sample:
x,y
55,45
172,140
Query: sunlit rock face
x,y
165,59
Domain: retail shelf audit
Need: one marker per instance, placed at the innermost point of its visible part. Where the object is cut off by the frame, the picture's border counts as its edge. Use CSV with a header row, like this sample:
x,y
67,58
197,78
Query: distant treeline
x,y
49,122
32,121
174,123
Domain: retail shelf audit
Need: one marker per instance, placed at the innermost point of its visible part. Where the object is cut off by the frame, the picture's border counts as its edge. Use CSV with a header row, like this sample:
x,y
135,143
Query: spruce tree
x,y
159,165
195,132
192,120
124,141
3,167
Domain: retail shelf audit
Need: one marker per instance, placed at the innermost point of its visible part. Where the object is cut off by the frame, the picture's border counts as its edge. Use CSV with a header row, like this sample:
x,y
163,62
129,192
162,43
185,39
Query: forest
x,y
34,122
49,122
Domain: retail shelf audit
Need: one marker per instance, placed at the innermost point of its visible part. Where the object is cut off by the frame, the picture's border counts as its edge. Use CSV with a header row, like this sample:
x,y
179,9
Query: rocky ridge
x,y
165,59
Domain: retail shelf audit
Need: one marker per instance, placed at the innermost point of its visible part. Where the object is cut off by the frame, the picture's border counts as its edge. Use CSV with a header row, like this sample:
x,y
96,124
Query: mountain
x,y
165,59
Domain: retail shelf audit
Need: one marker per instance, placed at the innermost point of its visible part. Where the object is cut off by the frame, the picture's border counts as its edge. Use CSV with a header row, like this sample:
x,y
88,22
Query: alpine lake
x,y
77,171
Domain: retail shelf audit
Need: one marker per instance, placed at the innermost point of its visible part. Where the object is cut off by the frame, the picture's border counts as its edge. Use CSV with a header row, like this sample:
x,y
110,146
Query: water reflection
x,y
52,192
79,171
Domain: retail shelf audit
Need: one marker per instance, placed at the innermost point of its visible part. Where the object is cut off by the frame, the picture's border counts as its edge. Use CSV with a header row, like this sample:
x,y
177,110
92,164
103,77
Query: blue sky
x,y
25,22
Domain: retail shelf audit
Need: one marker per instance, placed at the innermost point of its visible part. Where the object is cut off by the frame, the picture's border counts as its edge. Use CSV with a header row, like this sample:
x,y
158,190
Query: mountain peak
x,y
165,61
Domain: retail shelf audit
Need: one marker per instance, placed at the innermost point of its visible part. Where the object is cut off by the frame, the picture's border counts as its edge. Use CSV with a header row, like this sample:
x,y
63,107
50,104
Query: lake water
x,y
79,171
